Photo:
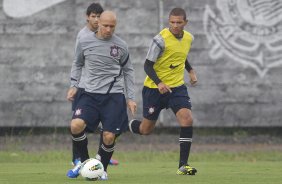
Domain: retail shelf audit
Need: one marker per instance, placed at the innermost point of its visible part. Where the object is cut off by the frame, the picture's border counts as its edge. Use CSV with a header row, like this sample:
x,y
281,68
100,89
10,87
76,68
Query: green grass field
x,y
146,167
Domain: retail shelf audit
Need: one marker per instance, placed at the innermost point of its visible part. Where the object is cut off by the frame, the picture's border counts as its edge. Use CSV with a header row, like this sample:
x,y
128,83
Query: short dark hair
x,y
94,8
178,12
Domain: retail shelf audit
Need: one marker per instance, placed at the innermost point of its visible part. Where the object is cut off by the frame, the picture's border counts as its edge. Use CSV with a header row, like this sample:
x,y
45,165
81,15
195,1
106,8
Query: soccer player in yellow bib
x,y
164,85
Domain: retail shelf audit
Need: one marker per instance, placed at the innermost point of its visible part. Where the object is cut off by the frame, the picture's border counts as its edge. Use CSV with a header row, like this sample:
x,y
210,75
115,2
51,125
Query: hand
x,y
163,88
132,107
71,93
193,77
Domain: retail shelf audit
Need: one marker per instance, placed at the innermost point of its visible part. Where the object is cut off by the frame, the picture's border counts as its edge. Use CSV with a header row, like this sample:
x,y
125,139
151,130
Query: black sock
x,y
80,142
106,152
134,126
75,152
101,137
185,141
98,156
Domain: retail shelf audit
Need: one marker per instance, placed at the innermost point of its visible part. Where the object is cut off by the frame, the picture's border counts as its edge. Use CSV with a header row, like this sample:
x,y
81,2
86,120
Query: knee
x,y
77,126
108,138
189,121
185,119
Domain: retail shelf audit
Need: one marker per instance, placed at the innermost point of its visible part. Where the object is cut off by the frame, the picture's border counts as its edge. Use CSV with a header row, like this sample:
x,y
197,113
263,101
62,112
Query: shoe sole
x,y
191,172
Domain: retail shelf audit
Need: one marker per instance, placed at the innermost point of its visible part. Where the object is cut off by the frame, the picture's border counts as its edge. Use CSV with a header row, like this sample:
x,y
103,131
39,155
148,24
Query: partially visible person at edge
x,y
92,16
109,73
164,85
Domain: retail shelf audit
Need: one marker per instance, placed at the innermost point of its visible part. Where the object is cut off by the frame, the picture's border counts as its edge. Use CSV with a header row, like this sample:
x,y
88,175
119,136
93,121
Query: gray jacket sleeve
x,y
156,48
129,79
77,65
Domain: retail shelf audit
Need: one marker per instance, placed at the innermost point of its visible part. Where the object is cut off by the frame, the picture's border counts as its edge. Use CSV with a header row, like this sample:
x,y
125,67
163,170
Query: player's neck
x,y
178,36
101,37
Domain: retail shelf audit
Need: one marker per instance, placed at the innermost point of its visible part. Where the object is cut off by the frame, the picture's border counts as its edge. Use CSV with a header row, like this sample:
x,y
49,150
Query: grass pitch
x,y
146,167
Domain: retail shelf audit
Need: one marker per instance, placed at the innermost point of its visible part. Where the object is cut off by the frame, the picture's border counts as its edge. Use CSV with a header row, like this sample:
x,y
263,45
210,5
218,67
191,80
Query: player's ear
x,y
186,22
87,18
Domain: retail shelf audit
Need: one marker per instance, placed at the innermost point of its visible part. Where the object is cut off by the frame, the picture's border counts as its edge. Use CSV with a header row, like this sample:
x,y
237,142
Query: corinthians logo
x,y
247,31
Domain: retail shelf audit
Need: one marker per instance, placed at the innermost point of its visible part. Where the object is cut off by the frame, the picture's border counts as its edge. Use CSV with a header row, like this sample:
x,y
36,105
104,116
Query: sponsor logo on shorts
x,y
151,110
77,112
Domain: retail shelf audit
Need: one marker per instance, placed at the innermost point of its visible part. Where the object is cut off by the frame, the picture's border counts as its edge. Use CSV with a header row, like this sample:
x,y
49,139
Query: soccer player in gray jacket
x,y
93,13
109,76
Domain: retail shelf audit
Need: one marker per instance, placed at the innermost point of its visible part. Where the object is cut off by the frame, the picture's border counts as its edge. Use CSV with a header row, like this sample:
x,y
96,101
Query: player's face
x,y
92,20
177,24
107,27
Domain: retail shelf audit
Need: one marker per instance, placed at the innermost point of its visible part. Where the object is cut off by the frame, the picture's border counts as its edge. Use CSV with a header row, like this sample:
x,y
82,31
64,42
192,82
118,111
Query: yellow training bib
x,y
170,66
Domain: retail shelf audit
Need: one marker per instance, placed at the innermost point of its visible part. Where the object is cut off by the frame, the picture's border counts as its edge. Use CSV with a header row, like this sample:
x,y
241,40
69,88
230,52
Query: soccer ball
x,y
92,169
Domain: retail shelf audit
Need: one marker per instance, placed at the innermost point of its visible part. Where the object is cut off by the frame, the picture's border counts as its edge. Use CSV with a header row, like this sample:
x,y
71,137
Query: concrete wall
x,y
236,54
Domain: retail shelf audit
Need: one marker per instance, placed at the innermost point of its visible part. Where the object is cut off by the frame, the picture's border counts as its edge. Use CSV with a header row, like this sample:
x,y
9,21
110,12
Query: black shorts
x,y
109,109
76,97
154,102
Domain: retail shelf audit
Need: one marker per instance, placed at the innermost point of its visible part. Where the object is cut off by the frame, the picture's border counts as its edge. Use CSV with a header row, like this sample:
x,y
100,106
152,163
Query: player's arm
x,y
188,66
149,70
129,82
76,70
155,51
71,93
192,74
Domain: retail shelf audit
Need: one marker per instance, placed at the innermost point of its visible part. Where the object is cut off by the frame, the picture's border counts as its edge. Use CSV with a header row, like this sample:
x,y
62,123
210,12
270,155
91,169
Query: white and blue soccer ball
x,y
92,169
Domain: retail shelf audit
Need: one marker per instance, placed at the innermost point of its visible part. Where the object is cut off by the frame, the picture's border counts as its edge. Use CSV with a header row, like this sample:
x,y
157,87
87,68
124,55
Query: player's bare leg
x,y
144,127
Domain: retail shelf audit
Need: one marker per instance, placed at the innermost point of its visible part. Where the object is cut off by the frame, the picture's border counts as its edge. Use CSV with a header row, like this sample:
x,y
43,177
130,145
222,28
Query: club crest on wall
x,y
246,31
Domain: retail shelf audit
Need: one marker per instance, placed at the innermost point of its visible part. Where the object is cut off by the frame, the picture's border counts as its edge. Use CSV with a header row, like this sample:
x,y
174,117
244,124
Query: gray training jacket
x,y
83,32
108,68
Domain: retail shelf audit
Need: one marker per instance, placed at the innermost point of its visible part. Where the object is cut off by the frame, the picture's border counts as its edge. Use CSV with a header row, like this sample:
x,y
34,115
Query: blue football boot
x,y
74,173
